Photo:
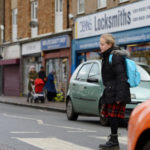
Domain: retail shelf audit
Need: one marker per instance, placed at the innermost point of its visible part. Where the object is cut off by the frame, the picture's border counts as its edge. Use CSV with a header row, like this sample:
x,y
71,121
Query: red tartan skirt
x,y
113,110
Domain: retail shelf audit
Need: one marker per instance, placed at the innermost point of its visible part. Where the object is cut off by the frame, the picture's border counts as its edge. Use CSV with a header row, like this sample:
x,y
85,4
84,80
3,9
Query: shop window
x,y
101,3
61,67
80,6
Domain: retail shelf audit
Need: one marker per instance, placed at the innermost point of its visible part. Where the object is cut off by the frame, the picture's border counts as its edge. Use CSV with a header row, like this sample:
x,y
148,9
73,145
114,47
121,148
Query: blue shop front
x,y
130,25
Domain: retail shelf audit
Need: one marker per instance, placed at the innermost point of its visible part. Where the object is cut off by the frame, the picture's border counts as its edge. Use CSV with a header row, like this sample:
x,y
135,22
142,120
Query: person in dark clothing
x,y
116,93
50,86
42,74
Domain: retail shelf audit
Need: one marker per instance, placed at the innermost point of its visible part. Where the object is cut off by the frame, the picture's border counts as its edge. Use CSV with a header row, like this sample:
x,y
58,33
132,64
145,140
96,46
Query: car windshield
x,y
144,71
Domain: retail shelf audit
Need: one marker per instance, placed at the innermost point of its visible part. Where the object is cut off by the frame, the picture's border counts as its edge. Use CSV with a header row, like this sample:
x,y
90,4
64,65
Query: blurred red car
x,y
139,128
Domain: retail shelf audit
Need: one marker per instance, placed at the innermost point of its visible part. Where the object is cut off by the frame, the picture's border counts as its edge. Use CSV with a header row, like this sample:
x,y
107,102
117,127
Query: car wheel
x,y
103,119
147,146
71,115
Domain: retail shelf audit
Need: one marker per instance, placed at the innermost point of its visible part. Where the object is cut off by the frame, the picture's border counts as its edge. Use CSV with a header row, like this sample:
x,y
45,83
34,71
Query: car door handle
x,y
85,87
73,84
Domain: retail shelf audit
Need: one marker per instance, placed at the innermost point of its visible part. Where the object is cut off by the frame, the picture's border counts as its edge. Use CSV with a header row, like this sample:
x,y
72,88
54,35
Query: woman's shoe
x,y
112,143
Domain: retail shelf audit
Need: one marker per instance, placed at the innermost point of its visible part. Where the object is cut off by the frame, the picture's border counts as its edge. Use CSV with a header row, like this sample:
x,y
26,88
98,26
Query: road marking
x,y
22,132
40,122
52,144
25,118
82,131
122,139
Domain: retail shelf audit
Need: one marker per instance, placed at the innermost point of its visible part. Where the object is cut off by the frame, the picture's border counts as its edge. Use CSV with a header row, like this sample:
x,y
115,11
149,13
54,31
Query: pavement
x,y
22,101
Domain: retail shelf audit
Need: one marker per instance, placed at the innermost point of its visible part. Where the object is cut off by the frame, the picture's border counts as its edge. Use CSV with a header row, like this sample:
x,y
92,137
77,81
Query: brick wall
x,y
8,20
24,18
46,16
1,16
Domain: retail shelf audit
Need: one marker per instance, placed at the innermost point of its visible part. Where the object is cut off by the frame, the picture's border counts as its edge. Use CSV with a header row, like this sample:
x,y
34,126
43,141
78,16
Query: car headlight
x,y
133,96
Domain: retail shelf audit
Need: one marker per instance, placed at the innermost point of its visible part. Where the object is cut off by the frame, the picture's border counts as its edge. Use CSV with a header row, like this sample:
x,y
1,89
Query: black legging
x,y
50,96
114,122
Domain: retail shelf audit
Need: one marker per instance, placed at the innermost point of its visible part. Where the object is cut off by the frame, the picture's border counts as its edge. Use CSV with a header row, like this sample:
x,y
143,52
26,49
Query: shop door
x,y
11,80
58,16
1,83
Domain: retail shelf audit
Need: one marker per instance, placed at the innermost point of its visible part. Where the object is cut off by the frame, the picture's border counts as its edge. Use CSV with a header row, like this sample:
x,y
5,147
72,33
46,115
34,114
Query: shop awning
x,y
9,62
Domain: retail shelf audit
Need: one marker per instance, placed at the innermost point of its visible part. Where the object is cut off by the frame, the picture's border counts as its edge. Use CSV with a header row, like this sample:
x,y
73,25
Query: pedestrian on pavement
x,y
42,74
32,75
50,86
116,92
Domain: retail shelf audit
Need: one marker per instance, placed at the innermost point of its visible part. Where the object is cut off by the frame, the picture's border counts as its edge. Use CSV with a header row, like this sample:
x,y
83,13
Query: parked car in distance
x,y
139,127
86,88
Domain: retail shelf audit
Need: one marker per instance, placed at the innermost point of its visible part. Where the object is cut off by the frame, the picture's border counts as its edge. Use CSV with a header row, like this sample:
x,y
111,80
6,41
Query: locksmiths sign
x,y
127,17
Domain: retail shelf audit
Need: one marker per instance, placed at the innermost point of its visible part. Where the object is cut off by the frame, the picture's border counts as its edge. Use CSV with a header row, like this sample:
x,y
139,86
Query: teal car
x,y
86,88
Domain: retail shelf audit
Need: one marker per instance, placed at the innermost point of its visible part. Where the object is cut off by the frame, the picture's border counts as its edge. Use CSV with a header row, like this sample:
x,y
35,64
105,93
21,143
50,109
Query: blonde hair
x,y
109,39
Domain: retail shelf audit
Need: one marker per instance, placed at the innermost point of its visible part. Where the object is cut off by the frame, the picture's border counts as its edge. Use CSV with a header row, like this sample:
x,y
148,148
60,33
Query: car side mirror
x,y
92,80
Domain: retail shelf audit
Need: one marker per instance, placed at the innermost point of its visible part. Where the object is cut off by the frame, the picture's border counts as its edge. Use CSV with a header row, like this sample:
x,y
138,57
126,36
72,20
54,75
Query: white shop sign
x,y
31,48
126,17
11,52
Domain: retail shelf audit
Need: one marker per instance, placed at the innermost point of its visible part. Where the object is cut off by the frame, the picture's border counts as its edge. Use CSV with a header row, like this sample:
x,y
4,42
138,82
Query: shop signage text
x,y
127,17
55,43
31,48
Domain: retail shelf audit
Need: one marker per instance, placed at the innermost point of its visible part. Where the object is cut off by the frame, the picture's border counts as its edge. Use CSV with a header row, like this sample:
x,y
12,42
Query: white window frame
x,y
79,9
14,23
14,16
34,9
102,3
122,1
58,6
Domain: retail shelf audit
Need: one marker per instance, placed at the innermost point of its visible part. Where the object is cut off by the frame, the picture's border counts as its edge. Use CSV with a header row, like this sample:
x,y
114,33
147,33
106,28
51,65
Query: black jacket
x,y
114,78
42,75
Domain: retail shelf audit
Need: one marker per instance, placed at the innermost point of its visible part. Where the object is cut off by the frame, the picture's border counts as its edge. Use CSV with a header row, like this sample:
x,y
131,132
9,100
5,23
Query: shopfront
x,y
11,70
31,55
57,57
130,25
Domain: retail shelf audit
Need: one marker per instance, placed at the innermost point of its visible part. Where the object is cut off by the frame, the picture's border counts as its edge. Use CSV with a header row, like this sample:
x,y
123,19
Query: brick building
x,y
37,32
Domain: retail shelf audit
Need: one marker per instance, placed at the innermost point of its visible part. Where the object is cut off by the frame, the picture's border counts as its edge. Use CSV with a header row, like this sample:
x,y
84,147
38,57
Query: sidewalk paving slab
x,y
21,101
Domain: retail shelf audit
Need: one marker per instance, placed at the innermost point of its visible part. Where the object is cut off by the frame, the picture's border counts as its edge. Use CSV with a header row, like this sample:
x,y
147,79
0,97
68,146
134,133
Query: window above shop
x,y
101,3
80,6
14,16
14,24
121,1
34,6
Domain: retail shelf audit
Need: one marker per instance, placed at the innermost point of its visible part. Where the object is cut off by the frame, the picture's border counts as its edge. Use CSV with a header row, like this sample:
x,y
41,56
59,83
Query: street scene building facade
x,y
60,34
31,29
128,21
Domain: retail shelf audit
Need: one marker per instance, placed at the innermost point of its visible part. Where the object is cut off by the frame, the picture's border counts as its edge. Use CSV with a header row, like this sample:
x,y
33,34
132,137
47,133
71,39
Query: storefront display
x,y
31,55
57,57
